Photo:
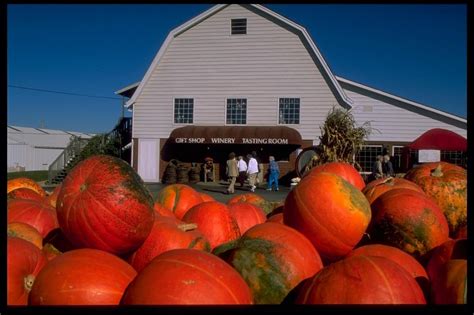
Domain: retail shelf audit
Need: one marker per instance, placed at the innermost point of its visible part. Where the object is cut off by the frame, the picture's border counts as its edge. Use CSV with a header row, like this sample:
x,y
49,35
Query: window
x,y
239,26
236,111
183,110
397,157
289,112
455,157
367,156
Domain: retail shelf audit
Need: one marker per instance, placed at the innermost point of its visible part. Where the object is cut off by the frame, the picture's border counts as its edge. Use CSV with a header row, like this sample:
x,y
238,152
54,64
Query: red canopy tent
x,y
434,139
439,139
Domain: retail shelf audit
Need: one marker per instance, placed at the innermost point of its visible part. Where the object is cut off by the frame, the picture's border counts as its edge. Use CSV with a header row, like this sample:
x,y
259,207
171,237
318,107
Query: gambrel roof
x,y
270,15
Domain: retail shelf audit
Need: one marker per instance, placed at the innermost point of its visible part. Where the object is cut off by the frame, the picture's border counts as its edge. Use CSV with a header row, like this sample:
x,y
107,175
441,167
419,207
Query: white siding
x,y
210,65
20,155
392,123
44,157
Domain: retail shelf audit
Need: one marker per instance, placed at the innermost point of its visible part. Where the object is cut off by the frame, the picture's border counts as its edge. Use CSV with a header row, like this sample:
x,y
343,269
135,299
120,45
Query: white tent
x,y
33,149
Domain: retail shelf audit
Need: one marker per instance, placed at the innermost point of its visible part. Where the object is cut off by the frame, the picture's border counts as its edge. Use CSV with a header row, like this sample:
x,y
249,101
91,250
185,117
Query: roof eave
x,y
217,8
398,98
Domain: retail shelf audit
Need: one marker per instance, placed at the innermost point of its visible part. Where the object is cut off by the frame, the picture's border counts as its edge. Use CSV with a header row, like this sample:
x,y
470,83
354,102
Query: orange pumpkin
x,y
187,276
379,186
104,204
50,251
25,193
82,277
162,211
408,220
345,170
40,215
215,221
447,268
277,218
26,232
362,279
255,199
52,199
24,262
273,259
329,211
24,182
206,197
404,260
447,184
178,198
246,215
167,233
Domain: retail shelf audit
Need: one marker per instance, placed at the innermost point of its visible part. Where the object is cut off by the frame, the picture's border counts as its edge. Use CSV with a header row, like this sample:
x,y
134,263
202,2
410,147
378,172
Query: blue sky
x,y
414,51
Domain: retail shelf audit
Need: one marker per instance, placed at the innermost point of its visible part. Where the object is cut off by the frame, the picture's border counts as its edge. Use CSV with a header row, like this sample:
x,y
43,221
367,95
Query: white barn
x,y
243,66
34,149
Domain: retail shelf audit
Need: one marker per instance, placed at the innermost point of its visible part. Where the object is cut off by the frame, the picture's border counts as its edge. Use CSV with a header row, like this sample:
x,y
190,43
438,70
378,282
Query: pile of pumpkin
x,y
101,239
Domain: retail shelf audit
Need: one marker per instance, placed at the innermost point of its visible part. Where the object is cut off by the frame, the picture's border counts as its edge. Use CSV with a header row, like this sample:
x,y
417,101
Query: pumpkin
x,y
447,268
24,182
57,239
26,232
277,218
162,211
361,279
104,204
447,184
206,197
329,211
166,234
187,276
273,259
461,233
408,220
24,262
25,193
379,186
404,260
215,221
53,198
82,277
50,251
450,285
178,198
343,169
246,215
253,198
39,215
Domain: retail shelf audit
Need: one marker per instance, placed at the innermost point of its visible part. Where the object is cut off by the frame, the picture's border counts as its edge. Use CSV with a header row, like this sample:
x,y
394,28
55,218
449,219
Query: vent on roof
x,y
239,26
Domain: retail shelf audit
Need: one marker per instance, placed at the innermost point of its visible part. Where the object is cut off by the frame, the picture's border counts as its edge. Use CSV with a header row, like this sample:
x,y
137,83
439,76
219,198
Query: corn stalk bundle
x,y
340,138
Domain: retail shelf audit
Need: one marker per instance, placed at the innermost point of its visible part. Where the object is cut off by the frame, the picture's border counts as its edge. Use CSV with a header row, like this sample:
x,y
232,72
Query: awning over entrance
x,y
274,135
439,139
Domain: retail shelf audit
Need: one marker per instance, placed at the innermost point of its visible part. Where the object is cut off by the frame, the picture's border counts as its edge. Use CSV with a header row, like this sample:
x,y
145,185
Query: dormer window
x,y
239,26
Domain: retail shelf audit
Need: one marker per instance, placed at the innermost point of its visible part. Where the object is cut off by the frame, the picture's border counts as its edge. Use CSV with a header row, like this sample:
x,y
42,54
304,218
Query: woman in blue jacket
x,y
273,173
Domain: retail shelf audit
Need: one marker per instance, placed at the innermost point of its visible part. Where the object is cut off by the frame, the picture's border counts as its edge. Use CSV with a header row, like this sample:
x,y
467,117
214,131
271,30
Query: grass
x,y
37,176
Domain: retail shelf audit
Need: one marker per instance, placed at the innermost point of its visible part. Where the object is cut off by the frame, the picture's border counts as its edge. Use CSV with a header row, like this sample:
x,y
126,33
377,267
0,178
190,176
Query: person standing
x,y
259,178
242,165
387,166
232,172
377,170
252,171
273,173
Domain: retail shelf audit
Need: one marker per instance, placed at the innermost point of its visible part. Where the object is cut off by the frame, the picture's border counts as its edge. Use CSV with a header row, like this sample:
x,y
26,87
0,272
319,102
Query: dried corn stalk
x,y
340,138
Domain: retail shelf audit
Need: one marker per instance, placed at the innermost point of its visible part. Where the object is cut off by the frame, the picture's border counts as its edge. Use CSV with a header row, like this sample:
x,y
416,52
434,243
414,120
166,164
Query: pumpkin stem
x,y
437,171
188,226
28,282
